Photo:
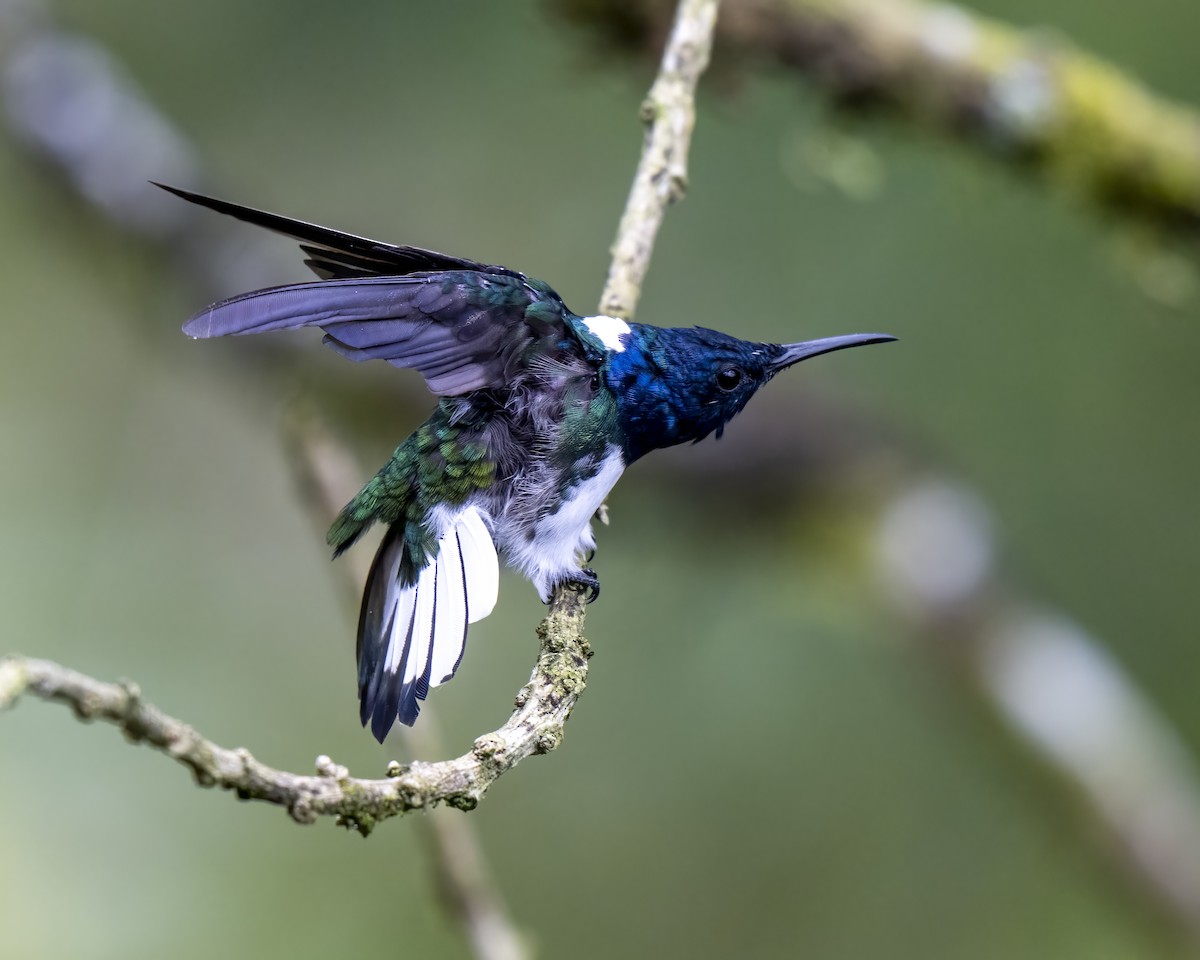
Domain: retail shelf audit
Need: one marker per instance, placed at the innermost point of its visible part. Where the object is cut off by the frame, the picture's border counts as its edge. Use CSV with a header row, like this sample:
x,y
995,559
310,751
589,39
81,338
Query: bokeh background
x,y
784,750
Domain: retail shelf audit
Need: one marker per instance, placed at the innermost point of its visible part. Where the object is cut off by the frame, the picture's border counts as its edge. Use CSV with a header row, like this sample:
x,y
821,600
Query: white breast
x,y
551,554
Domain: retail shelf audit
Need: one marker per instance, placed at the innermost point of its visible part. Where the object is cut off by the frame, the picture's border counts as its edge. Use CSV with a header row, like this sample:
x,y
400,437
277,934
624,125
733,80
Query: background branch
x,y
1029,98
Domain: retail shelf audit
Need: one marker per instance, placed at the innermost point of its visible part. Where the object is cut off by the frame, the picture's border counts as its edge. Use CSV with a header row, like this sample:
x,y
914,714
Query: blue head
x,y
678,384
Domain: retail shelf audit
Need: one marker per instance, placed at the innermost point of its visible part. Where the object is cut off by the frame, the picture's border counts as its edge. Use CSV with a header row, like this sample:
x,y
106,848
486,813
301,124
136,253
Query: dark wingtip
x,y
178,191
252,215
193,197
197,198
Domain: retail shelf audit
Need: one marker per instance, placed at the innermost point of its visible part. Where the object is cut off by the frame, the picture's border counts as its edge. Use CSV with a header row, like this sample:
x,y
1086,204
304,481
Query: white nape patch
x,y
552,553
609,330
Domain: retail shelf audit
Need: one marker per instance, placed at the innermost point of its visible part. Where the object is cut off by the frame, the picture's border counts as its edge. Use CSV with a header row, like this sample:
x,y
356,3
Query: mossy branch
x,y
1029,98
535,726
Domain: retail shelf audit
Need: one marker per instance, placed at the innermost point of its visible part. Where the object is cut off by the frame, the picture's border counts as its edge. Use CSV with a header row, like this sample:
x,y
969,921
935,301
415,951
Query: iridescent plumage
x,y
540,411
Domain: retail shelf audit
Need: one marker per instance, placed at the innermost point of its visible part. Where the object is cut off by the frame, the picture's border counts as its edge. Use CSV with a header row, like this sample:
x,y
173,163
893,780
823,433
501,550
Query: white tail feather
x,y
451,604
481,567
401,621
429,617
423,623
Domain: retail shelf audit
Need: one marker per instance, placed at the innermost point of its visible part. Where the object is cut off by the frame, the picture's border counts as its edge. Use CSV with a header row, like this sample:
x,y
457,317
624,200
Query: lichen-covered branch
x,y
1027,97
534,727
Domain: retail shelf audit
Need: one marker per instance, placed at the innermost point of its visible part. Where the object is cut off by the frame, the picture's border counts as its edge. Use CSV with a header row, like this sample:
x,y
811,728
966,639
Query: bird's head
x,y
678,384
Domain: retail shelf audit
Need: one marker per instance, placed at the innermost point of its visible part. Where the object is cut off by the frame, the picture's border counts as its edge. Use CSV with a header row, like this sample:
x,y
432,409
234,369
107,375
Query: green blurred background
x,y
766,763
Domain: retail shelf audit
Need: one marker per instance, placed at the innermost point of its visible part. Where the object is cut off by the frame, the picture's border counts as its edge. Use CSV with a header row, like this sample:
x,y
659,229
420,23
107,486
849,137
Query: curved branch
x,y
534,727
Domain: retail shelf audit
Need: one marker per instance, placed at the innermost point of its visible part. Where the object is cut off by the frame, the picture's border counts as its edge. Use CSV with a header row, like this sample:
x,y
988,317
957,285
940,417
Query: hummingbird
x,y
539,412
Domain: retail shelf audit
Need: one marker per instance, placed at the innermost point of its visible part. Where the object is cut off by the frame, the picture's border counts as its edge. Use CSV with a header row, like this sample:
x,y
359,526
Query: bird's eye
x,y
729,377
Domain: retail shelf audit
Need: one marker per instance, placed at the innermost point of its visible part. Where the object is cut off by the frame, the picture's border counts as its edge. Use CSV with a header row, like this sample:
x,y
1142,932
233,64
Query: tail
x,y
412,630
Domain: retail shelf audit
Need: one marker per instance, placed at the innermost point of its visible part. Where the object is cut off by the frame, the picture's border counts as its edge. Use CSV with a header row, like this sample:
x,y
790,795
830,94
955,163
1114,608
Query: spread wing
x,y
461,324
334,254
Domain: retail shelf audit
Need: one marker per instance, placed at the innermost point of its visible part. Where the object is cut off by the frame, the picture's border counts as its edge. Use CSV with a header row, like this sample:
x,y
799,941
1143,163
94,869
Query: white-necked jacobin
x,y
540,412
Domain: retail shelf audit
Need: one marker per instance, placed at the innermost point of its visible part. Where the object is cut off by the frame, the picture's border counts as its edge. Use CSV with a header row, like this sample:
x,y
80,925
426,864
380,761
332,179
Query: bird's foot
x,y
587,578
584,577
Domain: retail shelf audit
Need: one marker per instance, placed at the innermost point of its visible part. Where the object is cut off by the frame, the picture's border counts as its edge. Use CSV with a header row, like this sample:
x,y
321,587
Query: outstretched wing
x,y
462,325
334,254
413,630
461,330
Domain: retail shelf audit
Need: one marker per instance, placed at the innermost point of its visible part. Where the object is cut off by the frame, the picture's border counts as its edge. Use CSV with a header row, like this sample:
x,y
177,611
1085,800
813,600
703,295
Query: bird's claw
x,y
586,577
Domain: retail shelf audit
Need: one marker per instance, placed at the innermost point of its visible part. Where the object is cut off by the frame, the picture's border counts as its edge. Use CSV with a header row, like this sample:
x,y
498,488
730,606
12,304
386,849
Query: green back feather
x,y
441,463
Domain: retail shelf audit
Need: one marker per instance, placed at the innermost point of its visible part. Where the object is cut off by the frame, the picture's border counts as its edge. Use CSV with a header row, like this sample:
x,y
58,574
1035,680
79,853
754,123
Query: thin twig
x,y
669,112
